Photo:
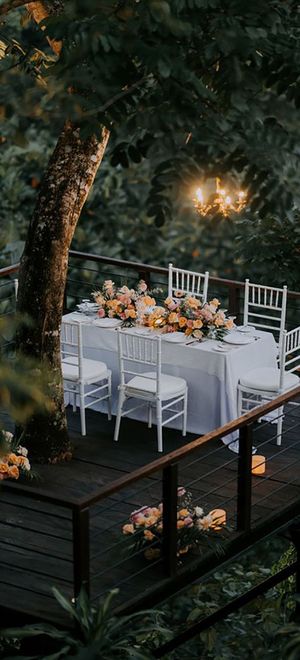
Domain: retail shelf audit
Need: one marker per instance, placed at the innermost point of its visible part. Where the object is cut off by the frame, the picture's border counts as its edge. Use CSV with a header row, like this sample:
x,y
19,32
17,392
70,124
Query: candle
x,y
218,518
258,464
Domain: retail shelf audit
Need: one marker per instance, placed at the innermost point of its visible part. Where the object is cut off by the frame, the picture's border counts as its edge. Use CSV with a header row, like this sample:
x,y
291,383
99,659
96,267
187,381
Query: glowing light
x,y
220,201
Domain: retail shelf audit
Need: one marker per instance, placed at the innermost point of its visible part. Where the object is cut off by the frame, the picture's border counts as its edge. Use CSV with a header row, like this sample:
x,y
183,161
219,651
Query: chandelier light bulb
x,y
219,202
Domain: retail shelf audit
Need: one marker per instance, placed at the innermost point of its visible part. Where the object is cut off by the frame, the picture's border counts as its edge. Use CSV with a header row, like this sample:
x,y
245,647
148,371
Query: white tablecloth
x,y
212,377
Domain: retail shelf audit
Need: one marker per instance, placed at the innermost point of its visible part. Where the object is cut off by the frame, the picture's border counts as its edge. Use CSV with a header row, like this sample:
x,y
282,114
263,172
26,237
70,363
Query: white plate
x,y
107,322
248,329
238,338
176,337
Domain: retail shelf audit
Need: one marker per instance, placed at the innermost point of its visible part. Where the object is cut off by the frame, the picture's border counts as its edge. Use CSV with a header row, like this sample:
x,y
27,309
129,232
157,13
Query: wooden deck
x,y
36,537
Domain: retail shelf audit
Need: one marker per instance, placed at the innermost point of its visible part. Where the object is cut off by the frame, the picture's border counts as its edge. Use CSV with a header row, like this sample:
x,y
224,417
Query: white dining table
x,y
212,375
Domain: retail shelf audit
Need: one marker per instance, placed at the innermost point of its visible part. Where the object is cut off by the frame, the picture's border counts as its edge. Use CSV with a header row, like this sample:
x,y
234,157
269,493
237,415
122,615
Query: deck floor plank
x,y
36,537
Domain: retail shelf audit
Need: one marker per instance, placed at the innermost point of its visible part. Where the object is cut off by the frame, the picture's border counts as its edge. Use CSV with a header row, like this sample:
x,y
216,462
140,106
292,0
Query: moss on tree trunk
x,y
43,273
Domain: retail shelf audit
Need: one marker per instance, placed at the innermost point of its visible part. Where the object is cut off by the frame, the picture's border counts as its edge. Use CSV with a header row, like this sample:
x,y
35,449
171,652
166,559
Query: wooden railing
x,y
167,576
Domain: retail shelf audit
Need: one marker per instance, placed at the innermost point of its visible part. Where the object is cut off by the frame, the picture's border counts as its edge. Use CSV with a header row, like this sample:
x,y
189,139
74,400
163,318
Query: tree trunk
x,y
42,279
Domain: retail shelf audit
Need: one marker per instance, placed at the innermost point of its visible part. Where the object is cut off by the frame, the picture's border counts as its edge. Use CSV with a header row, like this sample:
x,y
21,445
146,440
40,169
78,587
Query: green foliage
x,y
199,88
99,634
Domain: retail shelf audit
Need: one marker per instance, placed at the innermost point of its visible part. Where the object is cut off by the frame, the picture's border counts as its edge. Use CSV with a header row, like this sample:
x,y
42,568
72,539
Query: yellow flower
x,y
128,529
130,313
215,302
173,317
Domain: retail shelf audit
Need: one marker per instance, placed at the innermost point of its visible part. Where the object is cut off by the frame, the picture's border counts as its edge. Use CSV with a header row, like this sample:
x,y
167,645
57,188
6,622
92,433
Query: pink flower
x,y
142,286
181,491
138,513
101,312
188,521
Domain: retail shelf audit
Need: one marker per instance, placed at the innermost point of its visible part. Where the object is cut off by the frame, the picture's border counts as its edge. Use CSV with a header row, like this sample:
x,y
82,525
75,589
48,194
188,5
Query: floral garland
x,y
13,460
187,314
128,305
146,526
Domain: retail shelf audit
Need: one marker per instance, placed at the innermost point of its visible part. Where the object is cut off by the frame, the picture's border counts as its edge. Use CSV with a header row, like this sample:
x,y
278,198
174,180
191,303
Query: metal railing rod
x,y
127,579
223,612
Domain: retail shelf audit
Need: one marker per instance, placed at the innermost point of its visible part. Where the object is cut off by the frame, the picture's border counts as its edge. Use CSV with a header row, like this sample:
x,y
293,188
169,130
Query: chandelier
x,y
219,201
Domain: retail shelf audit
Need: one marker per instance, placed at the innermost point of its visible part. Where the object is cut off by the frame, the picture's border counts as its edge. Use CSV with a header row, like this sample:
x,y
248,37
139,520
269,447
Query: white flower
x,y
198,511
7,436
22,451
205,523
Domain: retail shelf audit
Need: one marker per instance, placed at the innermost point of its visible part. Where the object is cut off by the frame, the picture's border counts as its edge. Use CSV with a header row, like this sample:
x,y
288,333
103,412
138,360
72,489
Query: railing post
x,y
169,549
81,550
234,301
244,484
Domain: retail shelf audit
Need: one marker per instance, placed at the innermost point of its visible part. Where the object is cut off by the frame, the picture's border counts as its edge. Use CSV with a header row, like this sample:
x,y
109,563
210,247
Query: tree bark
x,y
42,279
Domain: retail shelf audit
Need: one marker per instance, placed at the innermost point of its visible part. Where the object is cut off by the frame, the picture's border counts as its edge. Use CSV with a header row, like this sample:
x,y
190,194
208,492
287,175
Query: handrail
x,y
182,452
8,270
139,266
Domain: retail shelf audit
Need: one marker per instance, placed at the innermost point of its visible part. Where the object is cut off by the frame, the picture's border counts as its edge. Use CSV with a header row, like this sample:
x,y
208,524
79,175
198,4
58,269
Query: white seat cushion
x,y
267,379
169,385
92,369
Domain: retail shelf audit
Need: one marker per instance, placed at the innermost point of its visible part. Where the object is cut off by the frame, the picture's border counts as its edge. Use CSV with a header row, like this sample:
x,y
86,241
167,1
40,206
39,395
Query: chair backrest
x,y
289,353
187,281
265,307
138,354
71,344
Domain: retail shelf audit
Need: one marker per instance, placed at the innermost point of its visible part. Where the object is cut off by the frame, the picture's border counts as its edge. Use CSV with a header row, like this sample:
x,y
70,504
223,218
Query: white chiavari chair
x,y
266,383
138,354
187,281
265,308
80,372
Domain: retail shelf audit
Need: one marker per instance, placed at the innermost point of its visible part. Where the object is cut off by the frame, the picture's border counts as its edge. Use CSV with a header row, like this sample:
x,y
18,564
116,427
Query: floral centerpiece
x,y
122,303
146,526
187,314
13,458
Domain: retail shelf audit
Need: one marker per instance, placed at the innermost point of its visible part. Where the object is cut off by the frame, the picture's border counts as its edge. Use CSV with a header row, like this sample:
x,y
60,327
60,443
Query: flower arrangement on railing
x,y
187,314
128,305
13,459
146,526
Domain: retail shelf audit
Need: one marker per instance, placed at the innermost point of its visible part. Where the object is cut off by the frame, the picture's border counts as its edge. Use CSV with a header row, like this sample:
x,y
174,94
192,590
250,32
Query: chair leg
x,y
82,409
149,416
159,426
118,417
279,426
239,402
109,398
74,401
184,421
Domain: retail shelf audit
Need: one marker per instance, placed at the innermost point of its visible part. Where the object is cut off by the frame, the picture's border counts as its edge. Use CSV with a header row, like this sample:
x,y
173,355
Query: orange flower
x,y
4,468
148,535
13,472
183,513
182,321
128,529
197,324
13,458
173,317
180,523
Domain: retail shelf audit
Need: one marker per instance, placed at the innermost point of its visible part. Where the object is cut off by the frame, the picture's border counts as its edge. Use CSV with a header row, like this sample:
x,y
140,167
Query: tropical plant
x,y
98,633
